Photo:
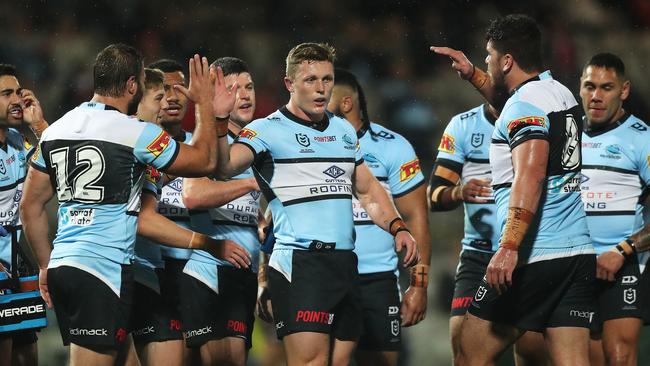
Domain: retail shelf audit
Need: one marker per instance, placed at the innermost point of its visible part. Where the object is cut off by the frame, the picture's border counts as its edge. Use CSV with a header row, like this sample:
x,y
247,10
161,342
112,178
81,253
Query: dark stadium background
x,y
384,42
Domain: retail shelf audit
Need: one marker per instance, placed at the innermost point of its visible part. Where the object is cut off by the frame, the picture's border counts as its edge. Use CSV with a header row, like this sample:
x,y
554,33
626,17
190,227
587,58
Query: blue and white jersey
x,y
172,207
148,256
542,108
13,169
393,162
305,171
95,157
236,221
615,175
465,149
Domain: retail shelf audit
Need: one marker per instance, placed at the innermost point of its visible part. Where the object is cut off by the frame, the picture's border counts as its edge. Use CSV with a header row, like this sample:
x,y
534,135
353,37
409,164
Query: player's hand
x,y
224,96
264,308
229,251
42,286
476,190
608,264
500,268
32,111
459,61
200,90
414,306
404,240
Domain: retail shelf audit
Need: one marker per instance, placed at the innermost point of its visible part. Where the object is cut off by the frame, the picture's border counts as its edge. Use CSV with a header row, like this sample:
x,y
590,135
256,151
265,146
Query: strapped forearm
x,y
516,226
444,195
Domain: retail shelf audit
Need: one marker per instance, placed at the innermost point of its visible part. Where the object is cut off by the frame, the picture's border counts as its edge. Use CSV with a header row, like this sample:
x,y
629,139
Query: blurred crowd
x,y
384,42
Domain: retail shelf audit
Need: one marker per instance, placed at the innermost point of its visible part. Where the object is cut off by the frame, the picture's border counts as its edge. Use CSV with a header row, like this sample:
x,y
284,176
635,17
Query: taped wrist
x,y
396,226
445,195
479,78
419,275
198,241
222,127
626,247
516,227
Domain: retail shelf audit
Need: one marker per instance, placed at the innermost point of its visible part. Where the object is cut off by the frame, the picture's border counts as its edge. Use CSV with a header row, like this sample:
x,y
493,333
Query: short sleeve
x,y
155,147
522,121
254,137
451,147
36,160
152,181
405,173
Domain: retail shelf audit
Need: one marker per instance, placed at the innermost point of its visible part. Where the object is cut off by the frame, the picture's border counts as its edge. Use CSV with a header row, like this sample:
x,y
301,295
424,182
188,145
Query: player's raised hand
x,y
200,89
476,190
499,270
404,240
224,95
608,264
32,111
229,251
459,62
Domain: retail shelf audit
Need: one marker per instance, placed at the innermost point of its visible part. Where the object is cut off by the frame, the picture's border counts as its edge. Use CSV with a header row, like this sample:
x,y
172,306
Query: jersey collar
x,y
96,105
319,126
591,131
544,75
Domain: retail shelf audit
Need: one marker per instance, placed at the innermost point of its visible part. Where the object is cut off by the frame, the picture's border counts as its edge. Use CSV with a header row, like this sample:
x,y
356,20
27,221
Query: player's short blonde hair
x,y
309,52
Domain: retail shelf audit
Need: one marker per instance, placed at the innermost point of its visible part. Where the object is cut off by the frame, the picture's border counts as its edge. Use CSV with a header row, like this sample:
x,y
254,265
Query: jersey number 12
x,y
77,181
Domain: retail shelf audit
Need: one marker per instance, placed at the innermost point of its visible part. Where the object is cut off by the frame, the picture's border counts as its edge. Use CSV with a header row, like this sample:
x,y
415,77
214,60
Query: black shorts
x,y
547,294
231,313
152,319
323,295
380,301
469,274
626,297
170,284
89,313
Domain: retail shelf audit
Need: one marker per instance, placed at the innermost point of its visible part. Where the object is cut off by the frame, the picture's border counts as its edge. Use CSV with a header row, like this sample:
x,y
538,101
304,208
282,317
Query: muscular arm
x,y
412,206
233,159
37,192
443,189
205,193
373,197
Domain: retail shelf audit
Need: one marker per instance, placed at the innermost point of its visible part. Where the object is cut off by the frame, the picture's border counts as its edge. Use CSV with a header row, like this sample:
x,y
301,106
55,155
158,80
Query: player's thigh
x,y
376,358
482,341
530,350
82,356
307,347
224,351
568,346
621,337
161,353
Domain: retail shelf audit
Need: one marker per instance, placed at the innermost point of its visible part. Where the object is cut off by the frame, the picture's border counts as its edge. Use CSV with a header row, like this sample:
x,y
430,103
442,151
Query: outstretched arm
x,y
205,193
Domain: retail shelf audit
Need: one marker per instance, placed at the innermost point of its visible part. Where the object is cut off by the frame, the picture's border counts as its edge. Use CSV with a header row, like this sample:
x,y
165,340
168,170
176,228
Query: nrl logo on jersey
x,y
303,139
477,139
176,185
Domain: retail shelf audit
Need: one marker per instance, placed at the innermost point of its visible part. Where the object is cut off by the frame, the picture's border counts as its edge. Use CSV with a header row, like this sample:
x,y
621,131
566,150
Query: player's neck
x,y
516,77
298,112
355,120
174,129
3,134
120,103
234,127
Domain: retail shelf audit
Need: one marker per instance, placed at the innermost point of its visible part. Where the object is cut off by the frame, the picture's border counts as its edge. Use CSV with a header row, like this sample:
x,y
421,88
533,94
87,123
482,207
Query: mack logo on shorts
x,y
334,171
279,325
145,330
629,296
480,293
310,316
629,280
23,310
197,332
102,332
392,310
582,314
394,327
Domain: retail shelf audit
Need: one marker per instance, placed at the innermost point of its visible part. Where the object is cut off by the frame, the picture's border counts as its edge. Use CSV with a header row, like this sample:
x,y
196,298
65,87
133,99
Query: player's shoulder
x,y
386,135
636,128
543,92
340,123
468,117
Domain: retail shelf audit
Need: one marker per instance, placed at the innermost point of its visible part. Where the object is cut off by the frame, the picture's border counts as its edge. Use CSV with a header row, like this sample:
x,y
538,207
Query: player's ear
x,y
625,91
288,83
132,85
507,62
346,104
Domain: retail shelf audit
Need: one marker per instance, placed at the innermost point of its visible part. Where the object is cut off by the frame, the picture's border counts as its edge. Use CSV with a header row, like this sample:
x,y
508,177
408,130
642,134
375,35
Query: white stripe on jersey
x,y
501,161
606,190
294,181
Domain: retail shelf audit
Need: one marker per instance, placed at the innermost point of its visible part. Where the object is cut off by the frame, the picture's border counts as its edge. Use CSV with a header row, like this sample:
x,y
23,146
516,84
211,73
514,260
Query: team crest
x,y
629,296
303,139
480,293
394,327
477,139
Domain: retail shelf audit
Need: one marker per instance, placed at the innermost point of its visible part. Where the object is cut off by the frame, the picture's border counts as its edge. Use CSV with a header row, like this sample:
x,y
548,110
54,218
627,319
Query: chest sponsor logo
x,y
592,145
325,138
247,133
157,146
629,296
255,194
334,171
303,139
526,121
447,144
176,184
79,217
477,139
564,184
409,170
